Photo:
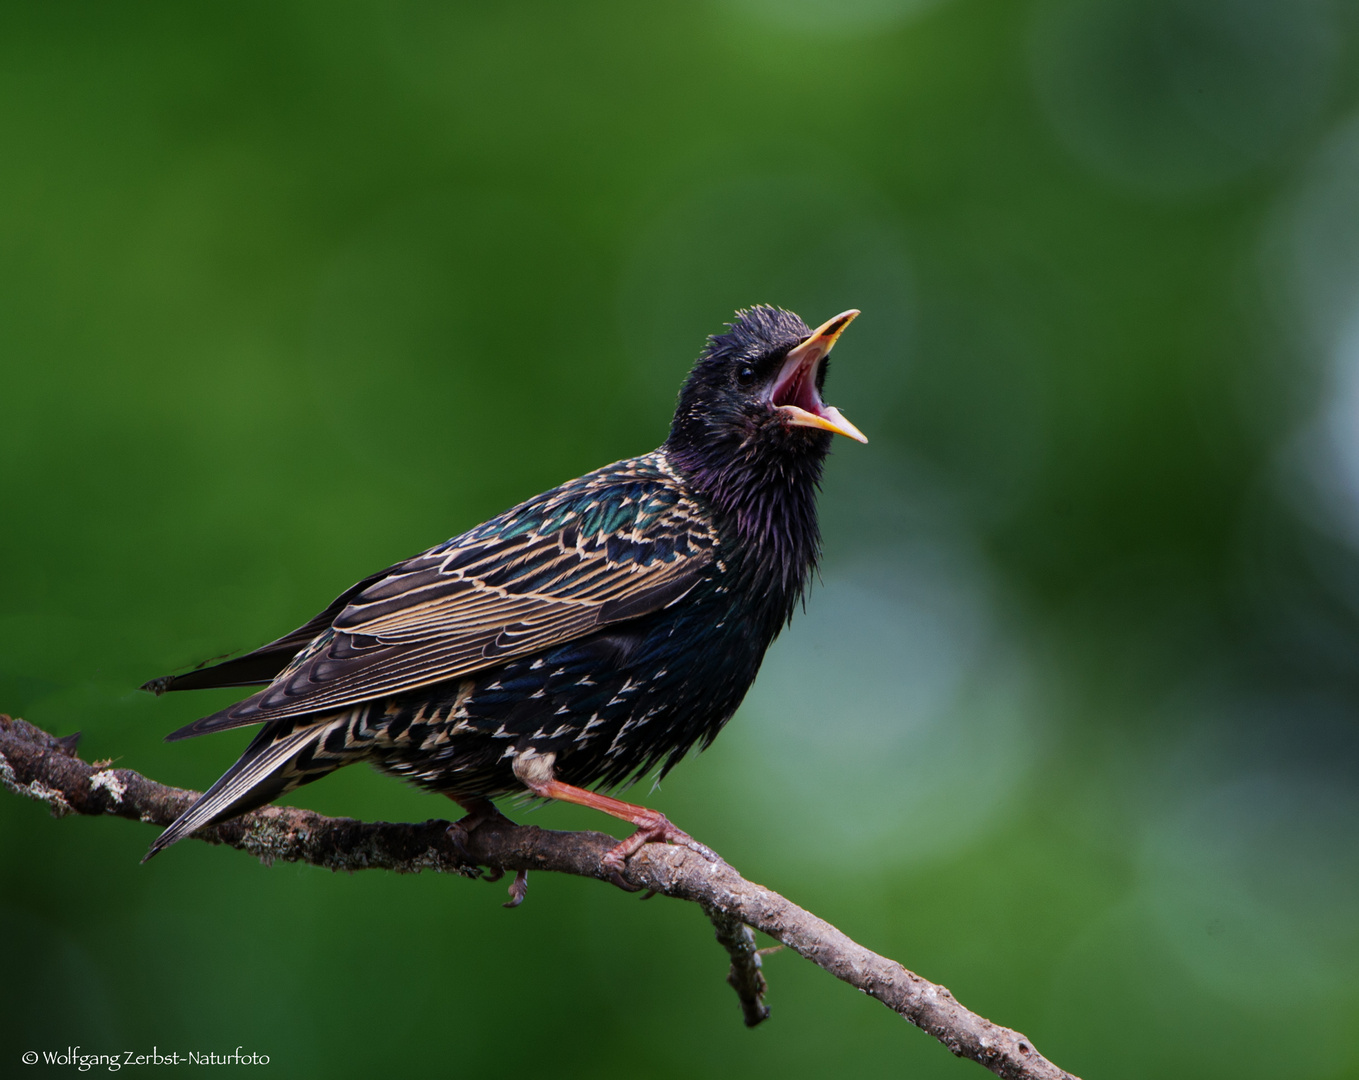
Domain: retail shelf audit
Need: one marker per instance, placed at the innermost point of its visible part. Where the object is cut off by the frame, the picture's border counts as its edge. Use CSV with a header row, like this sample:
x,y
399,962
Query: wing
x,y
611,546
263,664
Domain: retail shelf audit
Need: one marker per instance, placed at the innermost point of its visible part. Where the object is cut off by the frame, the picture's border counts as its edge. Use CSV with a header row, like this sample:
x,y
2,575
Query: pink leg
x,y
652,825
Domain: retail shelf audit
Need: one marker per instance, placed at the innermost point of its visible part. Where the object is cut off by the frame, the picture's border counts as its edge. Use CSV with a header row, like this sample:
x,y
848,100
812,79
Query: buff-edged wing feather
x,y
260,776
608,547
262,665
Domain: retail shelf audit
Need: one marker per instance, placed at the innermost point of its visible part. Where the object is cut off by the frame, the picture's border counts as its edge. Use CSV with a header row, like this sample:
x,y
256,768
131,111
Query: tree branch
x,y
40,766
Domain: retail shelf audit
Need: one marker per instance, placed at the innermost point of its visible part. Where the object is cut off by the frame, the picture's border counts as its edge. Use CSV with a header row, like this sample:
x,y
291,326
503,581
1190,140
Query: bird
x,y
578,640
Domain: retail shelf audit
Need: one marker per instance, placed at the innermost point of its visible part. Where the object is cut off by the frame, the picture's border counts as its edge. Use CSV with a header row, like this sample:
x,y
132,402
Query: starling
x,y
579,639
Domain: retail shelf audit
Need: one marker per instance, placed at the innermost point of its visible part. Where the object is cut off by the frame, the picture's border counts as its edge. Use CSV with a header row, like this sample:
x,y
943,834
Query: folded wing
x,y
557,568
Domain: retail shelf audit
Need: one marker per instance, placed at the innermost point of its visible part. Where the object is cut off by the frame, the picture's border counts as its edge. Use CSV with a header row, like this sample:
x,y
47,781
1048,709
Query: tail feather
x,y
262,774
224,720
253,669
264,664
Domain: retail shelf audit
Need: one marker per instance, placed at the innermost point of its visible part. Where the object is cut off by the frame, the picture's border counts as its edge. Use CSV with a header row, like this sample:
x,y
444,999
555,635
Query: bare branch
x,y
39,766
745,975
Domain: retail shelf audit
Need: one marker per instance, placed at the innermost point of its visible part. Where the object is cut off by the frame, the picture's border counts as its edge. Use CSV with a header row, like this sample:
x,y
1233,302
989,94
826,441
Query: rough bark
x,y
40,766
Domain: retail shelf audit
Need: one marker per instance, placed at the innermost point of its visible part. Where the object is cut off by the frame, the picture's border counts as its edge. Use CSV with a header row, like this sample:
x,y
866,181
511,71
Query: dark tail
x,y
264,664
219,721
273,764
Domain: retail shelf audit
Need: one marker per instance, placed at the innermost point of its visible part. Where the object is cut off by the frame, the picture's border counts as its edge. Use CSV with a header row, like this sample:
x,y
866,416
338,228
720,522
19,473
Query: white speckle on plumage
x,y
614,746
657,521
593,722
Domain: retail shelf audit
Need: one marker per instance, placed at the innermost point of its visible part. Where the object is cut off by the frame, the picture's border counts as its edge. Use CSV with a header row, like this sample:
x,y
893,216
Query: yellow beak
x,y
794,391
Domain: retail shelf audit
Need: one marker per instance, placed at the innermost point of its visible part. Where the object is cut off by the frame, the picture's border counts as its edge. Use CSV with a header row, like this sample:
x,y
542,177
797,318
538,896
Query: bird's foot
x,y
461,831
653,827
518,889
480,811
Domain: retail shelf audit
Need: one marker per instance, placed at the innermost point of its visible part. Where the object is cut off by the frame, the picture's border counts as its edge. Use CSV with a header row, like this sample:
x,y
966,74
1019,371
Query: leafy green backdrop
x,y
289,291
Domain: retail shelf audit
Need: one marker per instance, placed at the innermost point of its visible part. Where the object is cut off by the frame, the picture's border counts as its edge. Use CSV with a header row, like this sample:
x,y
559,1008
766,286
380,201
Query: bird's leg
x,y
535,771
652,825
480,810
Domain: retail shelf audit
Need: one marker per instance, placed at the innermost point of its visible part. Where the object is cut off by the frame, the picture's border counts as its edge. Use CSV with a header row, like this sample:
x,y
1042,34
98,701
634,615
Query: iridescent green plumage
x,y
578,639
613,545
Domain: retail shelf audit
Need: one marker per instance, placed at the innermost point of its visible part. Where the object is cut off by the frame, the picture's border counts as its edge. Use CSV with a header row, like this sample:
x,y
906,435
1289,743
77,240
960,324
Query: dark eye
x,y
746,375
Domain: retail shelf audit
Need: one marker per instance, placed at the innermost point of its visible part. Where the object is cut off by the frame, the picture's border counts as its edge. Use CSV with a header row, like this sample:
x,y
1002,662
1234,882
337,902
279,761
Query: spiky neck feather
x,y
768,501
759,474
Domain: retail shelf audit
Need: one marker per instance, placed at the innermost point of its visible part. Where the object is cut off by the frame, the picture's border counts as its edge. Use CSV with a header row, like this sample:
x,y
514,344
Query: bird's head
x,y
756,390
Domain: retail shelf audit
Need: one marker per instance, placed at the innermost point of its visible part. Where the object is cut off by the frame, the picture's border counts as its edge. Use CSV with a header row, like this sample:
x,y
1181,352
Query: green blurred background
x,y
289,291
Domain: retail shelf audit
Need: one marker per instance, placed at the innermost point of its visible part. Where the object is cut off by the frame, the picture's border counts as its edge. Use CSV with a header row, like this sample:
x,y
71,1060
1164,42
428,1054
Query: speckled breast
x,y
609,706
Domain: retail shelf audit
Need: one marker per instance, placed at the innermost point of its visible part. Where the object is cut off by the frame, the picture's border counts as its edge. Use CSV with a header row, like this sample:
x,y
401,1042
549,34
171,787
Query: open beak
x,y
794,392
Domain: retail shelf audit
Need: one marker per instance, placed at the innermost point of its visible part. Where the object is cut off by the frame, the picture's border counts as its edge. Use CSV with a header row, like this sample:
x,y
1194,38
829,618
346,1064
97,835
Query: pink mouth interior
x,y
798,387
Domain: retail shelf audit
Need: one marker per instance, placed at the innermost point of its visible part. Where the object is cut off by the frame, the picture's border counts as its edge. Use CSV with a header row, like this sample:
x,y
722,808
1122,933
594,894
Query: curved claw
x,y
457,836
656,829
479,811
518,889
652,825
616,878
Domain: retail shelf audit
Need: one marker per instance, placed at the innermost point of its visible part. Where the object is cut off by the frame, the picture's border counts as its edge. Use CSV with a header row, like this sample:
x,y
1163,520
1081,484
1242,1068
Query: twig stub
x,y
39,766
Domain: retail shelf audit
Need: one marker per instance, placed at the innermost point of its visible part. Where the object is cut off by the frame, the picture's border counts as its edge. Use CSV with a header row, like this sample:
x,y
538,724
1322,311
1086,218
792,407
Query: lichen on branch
x,y
42,767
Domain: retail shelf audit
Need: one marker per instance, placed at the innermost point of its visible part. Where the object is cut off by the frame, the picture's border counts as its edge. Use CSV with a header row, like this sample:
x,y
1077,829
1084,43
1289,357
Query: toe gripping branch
x,y
36,765
480,811
652,827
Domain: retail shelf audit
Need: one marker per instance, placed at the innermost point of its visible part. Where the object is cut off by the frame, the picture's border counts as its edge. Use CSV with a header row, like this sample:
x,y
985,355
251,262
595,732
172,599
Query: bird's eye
x,y
746,375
